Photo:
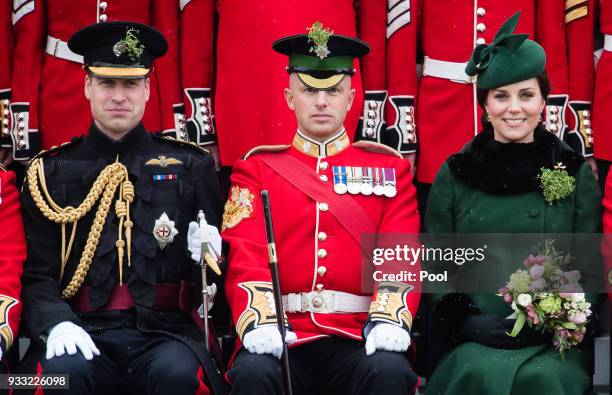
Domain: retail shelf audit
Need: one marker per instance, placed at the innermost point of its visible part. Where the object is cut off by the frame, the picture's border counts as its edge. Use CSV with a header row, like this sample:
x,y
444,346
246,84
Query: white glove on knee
x,y
194,244
66,337
267,340
387,337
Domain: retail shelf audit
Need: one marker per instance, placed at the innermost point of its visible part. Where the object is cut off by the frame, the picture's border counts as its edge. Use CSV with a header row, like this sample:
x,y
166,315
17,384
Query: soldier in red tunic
x,y
6,43
326,195
602,130
47,108
245,28
13,247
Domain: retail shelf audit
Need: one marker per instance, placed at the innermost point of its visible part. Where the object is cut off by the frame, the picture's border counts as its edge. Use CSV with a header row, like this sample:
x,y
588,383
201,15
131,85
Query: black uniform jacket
x,y
169,177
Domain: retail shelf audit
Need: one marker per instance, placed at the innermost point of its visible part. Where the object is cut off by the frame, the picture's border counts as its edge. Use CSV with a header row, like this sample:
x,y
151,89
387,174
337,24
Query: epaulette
x,y
2,168
371,146
182,143
56,148
266,148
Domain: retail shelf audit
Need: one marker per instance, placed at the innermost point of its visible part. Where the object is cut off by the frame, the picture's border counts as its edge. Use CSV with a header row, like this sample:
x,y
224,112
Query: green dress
x,y
490,187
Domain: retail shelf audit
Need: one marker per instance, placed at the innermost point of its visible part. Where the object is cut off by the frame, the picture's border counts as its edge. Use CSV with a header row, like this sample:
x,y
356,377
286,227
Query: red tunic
x,y
248,77
607,238
6,43
48,90
315,249
579,20
13,247
602,102
447,113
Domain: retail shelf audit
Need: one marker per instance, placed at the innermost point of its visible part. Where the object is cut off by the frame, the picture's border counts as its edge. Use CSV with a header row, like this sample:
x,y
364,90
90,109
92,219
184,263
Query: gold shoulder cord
x,y
113,176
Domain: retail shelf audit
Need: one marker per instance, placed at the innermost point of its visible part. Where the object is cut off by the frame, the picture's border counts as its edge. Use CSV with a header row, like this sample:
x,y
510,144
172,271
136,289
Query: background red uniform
x,y
6,54
12,256
48,103
447,112
246,74
602,102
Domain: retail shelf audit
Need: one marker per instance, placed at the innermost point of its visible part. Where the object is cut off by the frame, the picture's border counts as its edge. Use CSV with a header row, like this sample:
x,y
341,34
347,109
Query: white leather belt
x,y
453,71
608,42
326,302
59,49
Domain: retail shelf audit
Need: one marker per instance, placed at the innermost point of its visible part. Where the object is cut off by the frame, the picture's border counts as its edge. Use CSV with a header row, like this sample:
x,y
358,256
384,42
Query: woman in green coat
x,y
493,186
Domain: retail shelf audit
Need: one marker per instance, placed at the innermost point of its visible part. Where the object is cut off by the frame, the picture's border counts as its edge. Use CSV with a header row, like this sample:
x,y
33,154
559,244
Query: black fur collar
x,y
511,168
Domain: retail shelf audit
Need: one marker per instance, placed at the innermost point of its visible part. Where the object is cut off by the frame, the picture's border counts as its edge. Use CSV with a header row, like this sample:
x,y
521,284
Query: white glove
x,y
69,336
267,340
194,244
212,291
387,337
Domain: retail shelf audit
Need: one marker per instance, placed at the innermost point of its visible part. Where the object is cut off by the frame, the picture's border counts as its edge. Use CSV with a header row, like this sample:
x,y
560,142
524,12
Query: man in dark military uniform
x,y
109,288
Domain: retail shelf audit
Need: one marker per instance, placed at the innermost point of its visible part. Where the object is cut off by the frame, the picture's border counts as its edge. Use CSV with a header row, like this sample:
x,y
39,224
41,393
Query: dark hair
x,y
481,95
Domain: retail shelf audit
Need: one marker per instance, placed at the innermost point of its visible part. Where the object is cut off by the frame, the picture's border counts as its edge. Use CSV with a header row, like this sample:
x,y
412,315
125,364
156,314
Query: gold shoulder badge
x,y
238,207
163,161
6,302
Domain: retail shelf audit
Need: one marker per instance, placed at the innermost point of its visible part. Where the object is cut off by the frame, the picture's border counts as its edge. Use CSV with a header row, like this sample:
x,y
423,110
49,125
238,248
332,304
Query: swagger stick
x,y
208,257
278,300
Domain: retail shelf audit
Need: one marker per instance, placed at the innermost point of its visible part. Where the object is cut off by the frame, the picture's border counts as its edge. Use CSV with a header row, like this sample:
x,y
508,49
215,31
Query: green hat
x,y
321,58
510,58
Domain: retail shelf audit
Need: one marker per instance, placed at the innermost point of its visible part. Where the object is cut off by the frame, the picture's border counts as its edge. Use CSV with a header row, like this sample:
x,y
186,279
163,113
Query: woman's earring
x,y
488,118
540,118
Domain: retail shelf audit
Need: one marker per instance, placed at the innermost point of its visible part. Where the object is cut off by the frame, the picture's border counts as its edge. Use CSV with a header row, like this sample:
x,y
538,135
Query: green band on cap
x,y
314,63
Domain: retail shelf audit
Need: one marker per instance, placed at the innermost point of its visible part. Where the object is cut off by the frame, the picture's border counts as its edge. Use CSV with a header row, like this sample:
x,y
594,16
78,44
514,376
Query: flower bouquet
x,y
548,299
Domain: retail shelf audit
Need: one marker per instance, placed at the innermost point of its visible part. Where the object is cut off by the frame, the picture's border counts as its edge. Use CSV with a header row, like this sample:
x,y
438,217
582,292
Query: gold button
x,y
320,287
322,253
323,177
323,206
480,41
103,18
321,271
481,27
322,236
323,165
480,11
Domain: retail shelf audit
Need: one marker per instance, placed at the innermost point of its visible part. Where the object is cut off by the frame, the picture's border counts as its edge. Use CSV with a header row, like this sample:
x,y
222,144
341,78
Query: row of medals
x,y
379,181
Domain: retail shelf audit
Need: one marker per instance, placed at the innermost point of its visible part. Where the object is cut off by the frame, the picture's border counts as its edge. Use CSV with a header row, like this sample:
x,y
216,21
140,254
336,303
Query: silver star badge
x,y
164,231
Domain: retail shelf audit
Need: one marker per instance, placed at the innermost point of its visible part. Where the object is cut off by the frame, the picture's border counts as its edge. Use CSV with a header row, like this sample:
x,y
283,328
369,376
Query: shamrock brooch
x,y
556,183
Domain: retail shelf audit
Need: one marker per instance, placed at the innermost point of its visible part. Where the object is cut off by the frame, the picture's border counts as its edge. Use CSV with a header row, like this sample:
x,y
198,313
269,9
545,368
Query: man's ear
x,y
289,98
351,98
147,88
87,86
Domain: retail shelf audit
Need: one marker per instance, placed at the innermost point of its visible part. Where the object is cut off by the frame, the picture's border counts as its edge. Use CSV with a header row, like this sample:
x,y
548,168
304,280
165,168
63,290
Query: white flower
x,y
577,297
513,305
524,300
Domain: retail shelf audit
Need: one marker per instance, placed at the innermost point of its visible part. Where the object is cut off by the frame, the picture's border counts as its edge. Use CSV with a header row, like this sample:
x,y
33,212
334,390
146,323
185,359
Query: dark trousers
x,y
130,362
328,366
422,190
603,167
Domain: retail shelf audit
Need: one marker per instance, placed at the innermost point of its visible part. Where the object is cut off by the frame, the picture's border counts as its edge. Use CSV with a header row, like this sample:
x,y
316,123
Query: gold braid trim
x,y
104,188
